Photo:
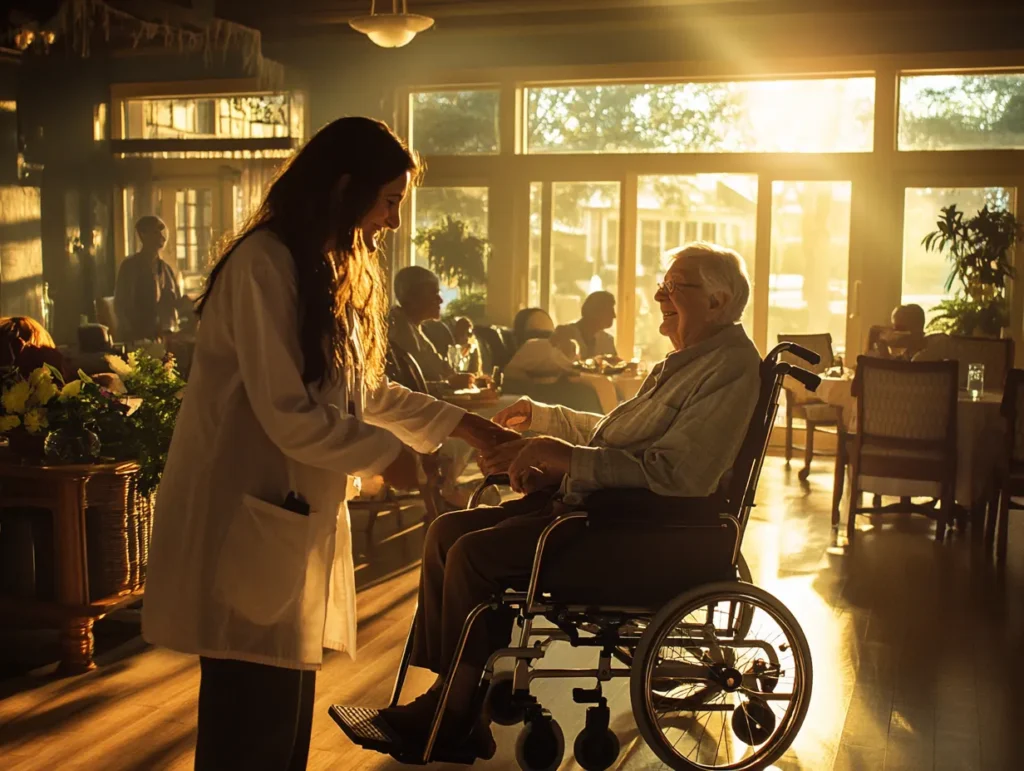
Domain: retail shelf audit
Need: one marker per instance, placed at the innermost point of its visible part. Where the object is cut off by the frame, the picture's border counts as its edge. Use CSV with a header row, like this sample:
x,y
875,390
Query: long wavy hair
x,y
318,219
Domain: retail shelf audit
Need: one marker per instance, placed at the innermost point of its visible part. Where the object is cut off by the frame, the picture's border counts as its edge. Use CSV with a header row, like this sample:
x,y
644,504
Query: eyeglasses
x,y
668,287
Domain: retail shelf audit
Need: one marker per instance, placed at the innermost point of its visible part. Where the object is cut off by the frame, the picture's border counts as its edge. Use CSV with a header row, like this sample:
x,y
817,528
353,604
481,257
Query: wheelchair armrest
x,y
492,480
642,508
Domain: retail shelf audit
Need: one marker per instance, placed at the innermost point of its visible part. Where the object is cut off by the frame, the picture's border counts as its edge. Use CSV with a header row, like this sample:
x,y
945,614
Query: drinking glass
x,y
976,380
455,357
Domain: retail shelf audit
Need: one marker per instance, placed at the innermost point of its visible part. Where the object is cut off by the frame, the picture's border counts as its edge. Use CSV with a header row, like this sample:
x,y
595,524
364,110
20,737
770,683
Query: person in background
x,y
147,294
418,292
462,331
26,345
544,357
904,339
531,323
596,317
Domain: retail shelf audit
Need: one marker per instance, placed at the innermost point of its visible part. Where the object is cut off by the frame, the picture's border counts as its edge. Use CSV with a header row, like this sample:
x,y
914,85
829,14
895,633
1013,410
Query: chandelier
x,y
391,30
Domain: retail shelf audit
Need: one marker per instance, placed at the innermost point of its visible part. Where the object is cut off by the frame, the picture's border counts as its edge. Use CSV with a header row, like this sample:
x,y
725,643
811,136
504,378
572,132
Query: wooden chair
x,y
995,354
1009,481
905,443
402,368
801,403
106,315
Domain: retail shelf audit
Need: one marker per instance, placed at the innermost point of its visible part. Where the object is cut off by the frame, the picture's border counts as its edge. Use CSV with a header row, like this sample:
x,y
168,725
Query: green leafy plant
x,y
471,304
978,251
456,255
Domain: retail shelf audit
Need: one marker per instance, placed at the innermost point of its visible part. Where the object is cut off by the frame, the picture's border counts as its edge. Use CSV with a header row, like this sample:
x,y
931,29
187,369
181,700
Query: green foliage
x,y
151,426
456,255
970,111
978,251
455,122
471,304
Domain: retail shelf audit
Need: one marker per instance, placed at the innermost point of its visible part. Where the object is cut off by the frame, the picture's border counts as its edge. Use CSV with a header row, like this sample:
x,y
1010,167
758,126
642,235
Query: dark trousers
x,y
471,556
253,716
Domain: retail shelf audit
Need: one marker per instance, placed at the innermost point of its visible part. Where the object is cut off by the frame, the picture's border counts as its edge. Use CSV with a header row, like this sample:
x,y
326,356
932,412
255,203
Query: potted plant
x,y
978,251
459,259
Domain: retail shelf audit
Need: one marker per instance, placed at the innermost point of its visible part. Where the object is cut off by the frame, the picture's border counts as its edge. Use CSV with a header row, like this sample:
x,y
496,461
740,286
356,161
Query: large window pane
x,y
455,219
584,245
677,209
533,295
243,116
961,112
799,116
925,273
455,122
810,252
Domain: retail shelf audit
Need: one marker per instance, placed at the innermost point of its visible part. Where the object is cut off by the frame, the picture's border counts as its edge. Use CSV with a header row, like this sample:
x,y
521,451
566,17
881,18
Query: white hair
x,y
721,270
409,278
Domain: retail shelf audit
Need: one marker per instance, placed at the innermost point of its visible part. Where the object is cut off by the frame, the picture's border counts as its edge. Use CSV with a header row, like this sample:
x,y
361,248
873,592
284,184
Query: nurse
x,y
250,563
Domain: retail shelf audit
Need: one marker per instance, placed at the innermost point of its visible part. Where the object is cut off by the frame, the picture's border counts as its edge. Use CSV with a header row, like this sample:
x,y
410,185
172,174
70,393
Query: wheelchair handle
x,y
795,349
809,380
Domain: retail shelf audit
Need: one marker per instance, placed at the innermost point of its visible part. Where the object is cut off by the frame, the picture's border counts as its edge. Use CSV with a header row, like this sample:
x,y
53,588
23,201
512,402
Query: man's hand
x,y
518,415
550,457
498,459
534,479
403,473
461,380
481,434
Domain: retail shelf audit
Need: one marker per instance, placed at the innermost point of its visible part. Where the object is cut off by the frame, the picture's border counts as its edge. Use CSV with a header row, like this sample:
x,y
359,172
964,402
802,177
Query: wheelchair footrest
x,y
368,729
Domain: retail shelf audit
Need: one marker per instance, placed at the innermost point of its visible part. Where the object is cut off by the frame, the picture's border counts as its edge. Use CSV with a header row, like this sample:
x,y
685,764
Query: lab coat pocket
x,y
262,568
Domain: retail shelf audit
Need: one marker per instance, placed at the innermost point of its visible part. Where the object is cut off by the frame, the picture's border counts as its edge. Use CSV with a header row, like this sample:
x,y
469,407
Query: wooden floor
x,y
917,657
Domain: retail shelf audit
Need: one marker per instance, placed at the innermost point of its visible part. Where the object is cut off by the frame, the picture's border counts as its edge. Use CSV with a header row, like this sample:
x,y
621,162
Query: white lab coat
x,y
232,574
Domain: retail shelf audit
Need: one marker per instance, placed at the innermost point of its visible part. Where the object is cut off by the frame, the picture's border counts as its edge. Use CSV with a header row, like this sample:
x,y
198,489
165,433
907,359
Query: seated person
x,y
462,331
596,317
531,323
26,345
904,339
677,437
418,292
544,358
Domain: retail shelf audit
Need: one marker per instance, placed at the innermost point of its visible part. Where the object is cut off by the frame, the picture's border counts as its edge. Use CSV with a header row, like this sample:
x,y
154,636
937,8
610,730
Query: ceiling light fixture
x,y
391,30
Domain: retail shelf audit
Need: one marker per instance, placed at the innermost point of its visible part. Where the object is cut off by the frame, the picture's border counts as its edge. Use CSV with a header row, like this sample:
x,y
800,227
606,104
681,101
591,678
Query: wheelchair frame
x,y
740,499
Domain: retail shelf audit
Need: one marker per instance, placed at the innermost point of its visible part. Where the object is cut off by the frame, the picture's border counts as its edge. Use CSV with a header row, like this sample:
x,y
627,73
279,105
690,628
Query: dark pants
x,y
253,716
471,556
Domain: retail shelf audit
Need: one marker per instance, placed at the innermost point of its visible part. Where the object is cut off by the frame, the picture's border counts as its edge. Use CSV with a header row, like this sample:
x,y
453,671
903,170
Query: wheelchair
x,y
719,670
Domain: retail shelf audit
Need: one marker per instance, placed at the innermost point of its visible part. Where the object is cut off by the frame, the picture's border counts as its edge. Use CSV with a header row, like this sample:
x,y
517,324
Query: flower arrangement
x,y
79,421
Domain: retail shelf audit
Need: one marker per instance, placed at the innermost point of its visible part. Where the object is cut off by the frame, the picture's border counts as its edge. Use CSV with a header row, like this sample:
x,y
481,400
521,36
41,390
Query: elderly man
x,y
418,293
591,331
677,437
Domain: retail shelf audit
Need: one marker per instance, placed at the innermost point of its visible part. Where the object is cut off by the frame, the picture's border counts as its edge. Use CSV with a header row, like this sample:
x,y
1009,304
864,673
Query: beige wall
x,y
21,252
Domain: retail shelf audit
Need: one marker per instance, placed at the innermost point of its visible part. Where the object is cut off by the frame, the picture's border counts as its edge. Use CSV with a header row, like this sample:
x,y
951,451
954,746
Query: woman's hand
x,y
518,415
404,471
551,457
481,434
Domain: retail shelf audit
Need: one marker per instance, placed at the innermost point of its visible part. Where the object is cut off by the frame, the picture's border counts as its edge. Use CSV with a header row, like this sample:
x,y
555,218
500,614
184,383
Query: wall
x,y
21,252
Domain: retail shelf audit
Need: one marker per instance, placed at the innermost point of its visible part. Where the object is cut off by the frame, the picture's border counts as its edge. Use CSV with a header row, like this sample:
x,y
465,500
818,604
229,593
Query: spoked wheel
x,y
743,613
705,696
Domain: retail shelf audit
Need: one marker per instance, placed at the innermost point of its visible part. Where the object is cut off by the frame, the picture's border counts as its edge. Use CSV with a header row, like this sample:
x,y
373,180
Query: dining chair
x,y
994,353
401,367
803,404
1009,478
905,444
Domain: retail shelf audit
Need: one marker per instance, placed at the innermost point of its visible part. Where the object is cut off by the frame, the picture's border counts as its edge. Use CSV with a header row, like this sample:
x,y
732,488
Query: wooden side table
x,y
62,490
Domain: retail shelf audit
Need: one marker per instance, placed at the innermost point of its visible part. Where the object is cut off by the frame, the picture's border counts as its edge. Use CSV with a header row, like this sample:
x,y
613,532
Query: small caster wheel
x,y
499,701
753,722
595,750
540,745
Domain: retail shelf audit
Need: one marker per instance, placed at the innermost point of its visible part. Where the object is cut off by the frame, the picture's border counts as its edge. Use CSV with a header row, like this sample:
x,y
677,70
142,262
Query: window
x,y
925,273
692,200
193,219
962,112
243,116
449,233
533,295
454,122
799,116
810,254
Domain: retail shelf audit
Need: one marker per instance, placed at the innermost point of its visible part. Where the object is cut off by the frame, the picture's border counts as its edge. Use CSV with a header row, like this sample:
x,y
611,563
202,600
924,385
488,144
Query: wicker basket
x,y
107,536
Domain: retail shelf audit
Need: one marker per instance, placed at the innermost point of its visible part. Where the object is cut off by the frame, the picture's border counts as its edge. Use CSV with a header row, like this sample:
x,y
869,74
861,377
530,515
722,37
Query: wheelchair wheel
x,y
595,750
541,745
706,697
499,701
743,612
